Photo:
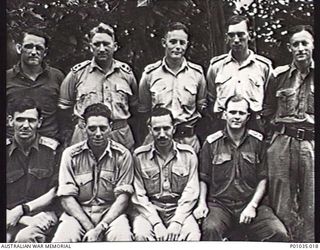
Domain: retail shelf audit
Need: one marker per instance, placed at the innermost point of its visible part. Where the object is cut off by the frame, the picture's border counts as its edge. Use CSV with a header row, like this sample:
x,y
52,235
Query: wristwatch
x,y
25,209
254,204
104,226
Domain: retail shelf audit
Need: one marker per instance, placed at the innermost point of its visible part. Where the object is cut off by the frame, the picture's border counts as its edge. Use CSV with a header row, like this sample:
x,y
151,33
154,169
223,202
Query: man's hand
x,y
201,211
173,231
43,220
92,235
160,232
247,214
13,216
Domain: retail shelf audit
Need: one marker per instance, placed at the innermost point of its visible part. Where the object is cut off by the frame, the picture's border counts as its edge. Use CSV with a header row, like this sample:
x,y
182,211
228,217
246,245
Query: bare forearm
x,y
39,203
260,191
73,208
203,193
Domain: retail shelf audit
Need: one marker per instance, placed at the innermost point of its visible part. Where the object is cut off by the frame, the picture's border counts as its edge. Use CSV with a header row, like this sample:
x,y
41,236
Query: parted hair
x,y
97,109
102,28
235,19
22,104
176,26
159,111
236,98
35,32
299,28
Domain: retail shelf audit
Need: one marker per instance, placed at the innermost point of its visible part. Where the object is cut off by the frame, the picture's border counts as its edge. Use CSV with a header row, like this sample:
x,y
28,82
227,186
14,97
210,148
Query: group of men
x,y
256,166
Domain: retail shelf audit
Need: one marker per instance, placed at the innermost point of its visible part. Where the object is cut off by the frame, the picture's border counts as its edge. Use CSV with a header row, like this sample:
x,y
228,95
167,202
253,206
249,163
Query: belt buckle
x,y
300,134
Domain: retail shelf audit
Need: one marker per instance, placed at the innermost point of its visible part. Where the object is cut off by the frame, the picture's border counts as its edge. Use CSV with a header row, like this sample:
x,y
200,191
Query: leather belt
x,y
118,124
298,133
184,131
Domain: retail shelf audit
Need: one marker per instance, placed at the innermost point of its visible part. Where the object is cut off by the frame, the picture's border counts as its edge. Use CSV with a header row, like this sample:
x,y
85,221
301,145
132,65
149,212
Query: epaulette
x,y
117,146
255,134
142,149
281,69
8,141
218,58
185,147
49,142
152,66
81,65
196,67
125,67
264,60
76,148
215,136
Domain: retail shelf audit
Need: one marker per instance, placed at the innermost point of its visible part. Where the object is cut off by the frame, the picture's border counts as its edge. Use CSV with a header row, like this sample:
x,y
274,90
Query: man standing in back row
x,y
241,71
289,110
175,84
101,80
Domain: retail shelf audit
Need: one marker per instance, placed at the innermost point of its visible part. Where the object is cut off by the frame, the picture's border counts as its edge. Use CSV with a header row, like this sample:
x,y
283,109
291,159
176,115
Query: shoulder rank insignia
x,y
81,65
142,149
255,134
218,58
49,142
281,69
264,60
8,141
125,67
196,67
152,66
215,136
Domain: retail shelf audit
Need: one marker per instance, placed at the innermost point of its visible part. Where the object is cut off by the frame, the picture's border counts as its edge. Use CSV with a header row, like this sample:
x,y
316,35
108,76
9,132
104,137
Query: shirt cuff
x,y
68,189
127,188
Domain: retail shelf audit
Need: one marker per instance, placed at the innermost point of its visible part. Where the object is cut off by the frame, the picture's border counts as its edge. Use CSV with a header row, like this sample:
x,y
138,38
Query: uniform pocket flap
x,y
107,175
41,172
191,88
83,179
285,92
221,158
14,175
250,157
180,170
150,173
121,86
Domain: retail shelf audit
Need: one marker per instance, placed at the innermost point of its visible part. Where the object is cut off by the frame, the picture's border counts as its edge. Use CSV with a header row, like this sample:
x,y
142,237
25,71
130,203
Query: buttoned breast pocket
x,y
188,95
310,108
151,180
123,90
179,178
222,167
85,184
249,173
160,92
87,98
286,101
107,184
14,176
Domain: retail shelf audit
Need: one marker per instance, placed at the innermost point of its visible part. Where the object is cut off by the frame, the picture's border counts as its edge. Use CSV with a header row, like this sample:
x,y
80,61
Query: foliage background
x,y
139,26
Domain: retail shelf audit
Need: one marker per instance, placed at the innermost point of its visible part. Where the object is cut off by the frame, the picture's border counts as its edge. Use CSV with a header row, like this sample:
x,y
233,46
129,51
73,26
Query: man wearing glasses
x,y
33,78
241,71
101,80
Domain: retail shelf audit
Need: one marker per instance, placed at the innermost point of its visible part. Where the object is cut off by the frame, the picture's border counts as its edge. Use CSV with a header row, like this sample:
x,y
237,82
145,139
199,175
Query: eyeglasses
x,y
232,35
30,46
102,128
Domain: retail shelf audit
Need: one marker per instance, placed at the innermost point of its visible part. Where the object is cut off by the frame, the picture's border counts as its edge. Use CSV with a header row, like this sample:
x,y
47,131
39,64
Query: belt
x,y
184,131
298,133
118,124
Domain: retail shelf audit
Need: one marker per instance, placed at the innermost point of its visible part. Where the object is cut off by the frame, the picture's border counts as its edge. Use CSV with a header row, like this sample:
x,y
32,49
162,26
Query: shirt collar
x,y
18,69
250,58
154,150
93,65
15,145
226,136
106,151
183,65
293,68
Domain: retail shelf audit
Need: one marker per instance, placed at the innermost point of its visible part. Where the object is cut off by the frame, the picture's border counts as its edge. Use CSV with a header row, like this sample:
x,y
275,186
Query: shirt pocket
x,y
222,168
14,176
85,184
123,90
286,102
249,173
179,178
106,185
151,179
41,173
85,99
188,95
159,93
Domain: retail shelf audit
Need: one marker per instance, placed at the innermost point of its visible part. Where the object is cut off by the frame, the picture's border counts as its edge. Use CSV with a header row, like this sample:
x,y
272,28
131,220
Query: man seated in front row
x,y
31,176
166,185
95,184
233,179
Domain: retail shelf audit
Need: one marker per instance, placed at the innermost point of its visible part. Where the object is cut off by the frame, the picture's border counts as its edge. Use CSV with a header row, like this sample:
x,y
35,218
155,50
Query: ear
x,y
10,120
115,46
18,48
150,129
40,122
45,52
163,42
90,46
289,47
174,129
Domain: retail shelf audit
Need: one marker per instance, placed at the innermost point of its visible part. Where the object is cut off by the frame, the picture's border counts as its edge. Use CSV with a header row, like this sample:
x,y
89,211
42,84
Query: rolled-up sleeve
x,y
67,184
67,91
201,93
144,94
125,179
190,193
140,199
205,163
211,87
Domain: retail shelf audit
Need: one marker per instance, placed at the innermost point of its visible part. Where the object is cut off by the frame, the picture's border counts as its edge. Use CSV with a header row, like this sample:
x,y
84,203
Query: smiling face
x,y
98,131
25,124
301,46
162,130
237,114
238,37
103,47
32,50
175,44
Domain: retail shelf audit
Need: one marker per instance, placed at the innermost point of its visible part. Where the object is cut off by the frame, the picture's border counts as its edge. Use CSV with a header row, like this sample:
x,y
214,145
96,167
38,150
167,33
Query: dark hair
x,y
299,28
22,104
176,26
236,98
97,109
159,111
102,28
35,32
235,19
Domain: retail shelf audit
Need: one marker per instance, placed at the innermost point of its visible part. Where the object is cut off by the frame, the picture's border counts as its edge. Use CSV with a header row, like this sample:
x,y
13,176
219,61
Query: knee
x,y
278,232
73,235
119,230
30,235
142,229
212,230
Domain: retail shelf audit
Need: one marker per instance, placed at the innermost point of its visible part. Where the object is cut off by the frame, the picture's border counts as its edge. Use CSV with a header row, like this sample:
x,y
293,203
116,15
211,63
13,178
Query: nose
x,y
236,38
98,132
26,123
300,46
34,50
162,133
102,48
